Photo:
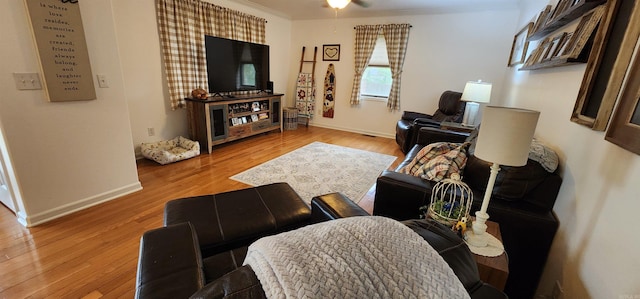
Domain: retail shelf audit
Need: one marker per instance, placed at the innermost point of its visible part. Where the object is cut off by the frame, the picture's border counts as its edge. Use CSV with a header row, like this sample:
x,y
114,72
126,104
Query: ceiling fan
x,y
340,4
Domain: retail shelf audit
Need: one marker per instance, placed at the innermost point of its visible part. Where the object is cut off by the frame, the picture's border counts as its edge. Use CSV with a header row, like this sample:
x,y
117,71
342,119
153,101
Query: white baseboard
x,y
377,134
42,217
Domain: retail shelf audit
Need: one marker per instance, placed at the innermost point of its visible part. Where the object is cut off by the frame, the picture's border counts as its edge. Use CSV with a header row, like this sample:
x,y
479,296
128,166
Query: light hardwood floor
x,y
93,253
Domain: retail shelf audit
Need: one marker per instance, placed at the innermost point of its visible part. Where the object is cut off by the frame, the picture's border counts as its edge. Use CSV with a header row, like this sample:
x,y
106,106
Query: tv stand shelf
x,y
217,120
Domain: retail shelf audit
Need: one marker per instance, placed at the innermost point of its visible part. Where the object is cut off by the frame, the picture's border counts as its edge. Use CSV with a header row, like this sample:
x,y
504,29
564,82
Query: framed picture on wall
x,y
331,52
624,129
520,45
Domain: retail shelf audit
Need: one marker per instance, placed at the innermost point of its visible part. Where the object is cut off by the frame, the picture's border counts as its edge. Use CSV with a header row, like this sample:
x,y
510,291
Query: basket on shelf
x,y
450,201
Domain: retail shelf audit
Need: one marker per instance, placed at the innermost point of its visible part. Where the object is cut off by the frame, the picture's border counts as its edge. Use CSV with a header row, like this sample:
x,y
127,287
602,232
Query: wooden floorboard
x,y
93,253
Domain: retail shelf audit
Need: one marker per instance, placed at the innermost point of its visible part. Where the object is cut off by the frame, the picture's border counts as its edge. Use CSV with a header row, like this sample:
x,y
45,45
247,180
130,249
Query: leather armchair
x,y
450,108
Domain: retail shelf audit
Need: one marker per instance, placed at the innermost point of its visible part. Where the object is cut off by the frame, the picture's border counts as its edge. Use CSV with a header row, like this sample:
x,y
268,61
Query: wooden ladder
x,y
302,61
313,70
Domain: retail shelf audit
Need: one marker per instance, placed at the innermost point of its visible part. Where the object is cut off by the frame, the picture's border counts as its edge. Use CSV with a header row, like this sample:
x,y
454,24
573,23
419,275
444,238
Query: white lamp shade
x,y
476,91
339,4
505,135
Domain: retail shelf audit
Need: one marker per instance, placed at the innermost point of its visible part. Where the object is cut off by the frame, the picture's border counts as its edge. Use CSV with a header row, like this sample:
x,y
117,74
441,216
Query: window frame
x,y
372,97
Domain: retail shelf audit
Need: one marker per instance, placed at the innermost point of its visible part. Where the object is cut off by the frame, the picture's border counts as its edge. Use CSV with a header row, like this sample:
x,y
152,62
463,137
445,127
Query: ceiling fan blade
x,y
361,3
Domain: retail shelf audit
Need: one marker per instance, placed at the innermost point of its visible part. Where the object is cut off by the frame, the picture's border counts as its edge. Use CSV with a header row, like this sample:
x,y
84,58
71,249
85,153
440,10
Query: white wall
x,y
65,155
594,254
145,83
444,52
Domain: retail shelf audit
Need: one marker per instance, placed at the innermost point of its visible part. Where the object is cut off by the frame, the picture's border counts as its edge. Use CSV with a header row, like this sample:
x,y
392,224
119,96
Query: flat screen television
x,y
235,65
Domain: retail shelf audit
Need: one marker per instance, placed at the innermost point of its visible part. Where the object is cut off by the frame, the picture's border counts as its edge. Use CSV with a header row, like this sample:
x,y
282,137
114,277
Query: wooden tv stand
x,y
217,120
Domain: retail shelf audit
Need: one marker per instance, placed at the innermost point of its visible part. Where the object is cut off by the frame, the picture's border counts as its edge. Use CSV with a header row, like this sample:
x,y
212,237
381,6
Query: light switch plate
x,y
102,81
27,81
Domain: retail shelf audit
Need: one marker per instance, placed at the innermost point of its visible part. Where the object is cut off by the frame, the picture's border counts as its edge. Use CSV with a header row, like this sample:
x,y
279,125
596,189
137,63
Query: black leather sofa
x,y
522,203
202,256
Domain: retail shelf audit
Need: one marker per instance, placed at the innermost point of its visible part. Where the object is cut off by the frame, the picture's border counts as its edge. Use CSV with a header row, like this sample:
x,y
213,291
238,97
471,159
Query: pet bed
x,y
169,151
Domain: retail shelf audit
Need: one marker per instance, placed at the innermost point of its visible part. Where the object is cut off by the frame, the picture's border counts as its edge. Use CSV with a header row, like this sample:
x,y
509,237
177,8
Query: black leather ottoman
x,y
233,219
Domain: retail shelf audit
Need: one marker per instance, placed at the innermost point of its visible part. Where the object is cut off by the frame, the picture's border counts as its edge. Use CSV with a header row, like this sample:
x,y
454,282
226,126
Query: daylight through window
x,y
376,79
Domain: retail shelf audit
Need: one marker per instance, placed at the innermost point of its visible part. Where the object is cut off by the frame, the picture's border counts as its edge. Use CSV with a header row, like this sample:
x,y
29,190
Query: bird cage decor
x,y
450,201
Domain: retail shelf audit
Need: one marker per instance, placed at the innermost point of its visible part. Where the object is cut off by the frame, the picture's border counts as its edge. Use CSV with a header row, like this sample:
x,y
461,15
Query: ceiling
x,y
313,9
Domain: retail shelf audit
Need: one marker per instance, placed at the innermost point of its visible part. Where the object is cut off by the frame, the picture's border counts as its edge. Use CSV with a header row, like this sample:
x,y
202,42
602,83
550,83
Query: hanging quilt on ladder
x,y
305,97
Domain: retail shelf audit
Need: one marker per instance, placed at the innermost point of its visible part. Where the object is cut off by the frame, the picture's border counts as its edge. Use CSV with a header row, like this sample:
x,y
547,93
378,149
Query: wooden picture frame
x,y
564,45
536,55
625,125
606,67
554,45
542,19
331,52
520,45
559,9
624,129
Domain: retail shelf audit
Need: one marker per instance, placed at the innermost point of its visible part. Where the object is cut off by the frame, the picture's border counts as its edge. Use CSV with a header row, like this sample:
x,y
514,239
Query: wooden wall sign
x,y
62,49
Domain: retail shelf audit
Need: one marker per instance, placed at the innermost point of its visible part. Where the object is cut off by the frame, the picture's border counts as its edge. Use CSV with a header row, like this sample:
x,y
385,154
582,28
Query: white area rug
x,y
319,168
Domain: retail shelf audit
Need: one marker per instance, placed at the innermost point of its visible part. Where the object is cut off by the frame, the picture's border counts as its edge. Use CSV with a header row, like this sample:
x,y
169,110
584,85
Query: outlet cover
x,y
151,131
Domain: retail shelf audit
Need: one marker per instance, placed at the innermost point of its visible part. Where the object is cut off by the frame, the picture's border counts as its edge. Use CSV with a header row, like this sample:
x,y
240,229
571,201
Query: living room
x,y
68,156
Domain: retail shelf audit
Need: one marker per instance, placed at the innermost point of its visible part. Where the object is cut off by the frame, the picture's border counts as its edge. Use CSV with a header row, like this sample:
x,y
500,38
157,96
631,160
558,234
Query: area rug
x,y
320,168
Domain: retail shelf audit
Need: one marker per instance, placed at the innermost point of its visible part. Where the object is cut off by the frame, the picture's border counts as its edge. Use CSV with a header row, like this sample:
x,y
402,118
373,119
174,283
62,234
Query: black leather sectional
x,y
200,250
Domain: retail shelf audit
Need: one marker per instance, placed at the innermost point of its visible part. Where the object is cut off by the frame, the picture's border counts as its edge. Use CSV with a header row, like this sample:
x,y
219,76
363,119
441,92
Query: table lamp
x,y
474,92
504,139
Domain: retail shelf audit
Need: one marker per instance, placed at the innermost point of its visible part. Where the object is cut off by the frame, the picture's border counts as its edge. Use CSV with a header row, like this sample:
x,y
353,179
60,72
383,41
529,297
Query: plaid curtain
x,y
182,25
397,37
366,36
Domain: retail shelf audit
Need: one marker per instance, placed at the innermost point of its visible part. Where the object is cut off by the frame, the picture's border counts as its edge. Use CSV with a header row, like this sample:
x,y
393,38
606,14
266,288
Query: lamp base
x,y
492,248
470,112
479,240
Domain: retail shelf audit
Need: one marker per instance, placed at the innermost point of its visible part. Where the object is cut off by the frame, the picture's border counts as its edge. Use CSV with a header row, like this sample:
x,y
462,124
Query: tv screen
x,y
235,65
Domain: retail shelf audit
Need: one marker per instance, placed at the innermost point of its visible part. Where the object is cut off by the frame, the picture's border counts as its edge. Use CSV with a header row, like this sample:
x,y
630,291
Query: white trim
x,y
33,220
375,99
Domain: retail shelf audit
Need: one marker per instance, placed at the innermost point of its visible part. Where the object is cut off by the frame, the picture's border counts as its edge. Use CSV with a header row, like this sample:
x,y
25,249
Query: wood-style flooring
x,y
94,253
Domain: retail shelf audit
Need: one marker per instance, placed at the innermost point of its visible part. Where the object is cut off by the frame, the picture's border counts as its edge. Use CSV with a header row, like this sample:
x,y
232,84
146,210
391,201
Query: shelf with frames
x,y
565,12
567,48
245,113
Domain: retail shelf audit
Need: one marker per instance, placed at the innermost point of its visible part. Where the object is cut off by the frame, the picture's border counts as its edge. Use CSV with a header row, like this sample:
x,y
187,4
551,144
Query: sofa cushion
x,y
512,183
231,219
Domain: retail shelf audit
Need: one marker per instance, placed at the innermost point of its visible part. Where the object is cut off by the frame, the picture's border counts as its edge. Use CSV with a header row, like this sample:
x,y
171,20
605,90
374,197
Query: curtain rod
x,y
410,26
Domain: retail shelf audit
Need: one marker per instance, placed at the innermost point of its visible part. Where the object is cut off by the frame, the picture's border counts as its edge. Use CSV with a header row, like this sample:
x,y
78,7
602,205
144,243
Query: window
x,y
376,79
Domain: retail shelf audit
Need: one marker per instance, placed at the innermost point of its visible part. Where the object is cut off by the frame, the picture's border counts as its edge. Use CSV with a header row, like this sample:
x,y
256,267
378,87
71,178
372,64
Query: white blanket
x,y
357,257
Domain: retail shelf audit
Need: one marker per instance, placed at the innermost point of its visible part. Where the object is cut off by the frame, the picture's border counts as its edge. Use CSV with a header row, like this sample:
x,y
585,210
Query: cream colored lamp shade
x,y
477,91
474,92
338,4
505,135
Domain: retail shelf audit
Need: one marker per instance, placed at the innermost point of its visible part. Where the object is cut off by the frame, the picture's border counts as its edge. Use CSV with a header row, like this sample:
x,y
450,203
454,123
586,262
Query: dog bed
x,y
169,151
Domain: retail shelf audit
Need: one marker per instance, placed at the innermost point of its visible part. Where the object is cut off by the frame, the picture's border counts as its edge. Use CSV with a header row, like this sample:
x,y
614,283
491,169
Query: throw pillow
x,y
438,161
